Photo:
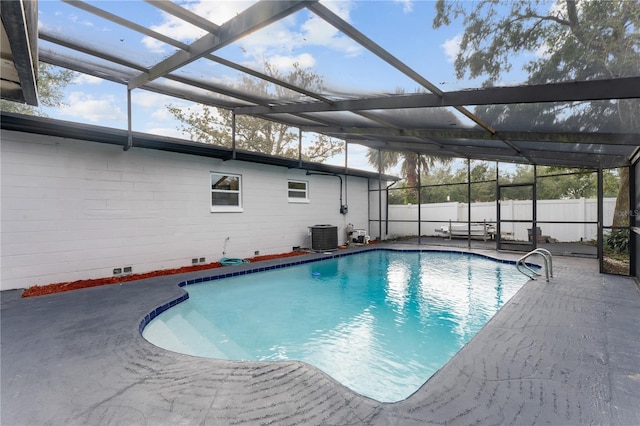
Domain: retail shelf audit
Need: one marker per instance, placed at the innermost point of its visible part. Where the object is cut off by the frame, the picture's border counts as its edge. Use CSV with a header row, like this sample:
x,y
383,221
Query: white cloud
x,y
160,117
154,106
407,5
147,99
284,64
86,79
279,40
358,157
162,114
451,47
85,106
167,131
316,31
76,20
217,12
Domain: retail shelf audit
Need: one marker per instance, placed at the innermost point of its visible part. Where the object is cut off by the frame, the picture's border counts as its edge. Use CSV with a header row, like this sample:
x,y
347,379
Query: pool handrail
x,y
548,263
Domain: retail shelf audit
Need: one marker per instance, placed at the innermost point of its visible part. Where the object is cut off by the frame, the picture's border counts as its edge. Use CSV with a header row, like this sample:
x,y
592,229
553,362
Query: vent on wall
x,y
123,270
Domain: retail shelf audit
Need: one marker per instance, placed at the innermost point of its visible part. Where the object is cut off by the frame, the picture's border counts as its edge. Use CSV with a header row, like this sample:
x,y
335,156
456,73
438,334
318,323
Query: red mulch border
x,y
74,285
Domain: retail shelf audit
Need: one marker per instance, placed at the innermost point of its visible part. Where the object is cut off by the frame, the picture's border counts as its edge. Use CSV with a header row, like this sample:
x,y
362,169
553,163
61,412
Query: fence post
x,y
583,216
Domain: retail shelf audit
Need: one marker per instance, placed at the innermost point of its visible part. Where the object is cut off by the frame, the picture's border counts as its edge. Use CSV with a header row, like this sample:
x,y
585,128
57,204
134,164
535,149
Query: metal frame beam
x,y
555,147
184,14
125,23
191,17
20,20
577,91
542,157
622,139
156,87
326,14
252,19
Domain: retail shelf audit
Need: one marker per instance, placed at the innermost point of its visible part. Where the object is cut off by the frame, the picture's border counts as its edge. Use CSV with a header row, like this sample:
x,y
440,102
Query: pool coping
x,y
564,352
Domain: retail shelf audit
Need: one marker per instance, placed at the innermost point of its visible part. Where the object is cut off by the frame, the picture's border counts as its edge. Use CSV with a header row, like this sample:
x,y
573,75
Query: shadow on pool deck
x,y
563,352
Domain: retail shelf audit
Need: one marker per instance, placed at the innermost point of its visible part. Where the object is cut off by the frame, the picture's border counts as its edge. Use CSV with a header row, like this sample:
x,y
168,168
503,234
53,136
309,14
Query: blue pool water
x,y
380,322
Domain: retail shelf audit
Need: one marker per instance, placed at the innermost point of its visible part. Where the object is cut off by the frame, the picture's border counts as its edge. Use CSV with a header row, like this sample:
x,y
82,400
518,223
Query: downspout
x,y
535,207
346,172
129,135
600,217
380,199
419,202
498,217
468,204
300,147
233,135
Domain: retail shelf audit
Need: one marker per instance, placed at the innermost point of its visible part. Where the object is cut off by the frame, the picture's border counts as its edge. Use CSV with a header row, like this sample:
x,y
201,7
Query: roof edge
x,y
108,135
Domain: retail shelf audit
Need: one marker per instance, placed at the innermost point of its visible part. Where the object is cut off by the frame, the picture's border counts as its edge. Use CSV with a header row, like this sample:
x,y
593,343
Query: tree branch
x,y
542,18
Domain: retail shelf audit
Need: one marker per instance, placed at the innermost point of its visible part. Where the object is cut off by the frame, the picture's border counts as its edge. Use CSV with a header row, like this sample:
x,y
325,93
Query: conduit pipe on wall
x,y
343,207
129,134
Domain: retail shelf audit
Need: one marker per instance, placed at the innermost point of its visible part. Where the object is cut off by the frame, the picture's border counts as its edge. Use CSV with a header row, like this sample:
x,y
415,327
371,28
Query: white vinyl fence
x,y
439,215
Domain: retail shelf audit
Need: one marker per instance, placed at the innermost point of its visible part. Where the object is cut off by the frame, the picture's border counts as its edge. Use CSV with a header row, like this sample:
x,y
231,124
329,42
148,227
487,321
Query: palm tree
x,y
411,161
411,166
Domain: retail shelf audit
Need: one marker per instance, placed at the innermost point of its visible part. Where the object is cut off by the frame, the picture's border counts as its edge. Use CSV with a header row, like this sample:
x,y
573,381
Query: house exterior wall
x,y
75,210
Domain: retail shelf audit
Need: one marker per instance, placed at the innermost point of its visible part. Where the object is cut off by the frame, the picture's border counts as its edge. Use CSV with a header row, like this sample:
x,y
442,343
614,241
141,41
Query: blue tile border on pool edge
x,y
157,311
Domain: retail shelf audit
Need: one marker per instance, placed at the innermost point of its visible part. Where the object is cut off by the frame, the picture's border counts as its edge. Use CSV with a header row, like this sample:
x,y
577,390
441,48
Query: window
x,y
226,192
298,191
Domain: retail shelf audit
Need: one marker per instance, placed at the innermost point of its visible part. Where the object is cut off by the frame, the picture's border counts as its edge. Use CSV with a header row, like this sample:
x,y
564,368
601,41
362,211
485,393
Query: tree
x,y
214,125
51,84
411,162
574,40
452,185
553,183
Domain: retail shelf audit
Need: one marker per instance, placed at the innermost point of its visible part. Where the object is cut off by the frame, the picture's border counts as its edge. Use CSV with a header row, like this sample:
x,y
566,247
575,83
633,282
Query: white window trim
x,y
304,200
226,209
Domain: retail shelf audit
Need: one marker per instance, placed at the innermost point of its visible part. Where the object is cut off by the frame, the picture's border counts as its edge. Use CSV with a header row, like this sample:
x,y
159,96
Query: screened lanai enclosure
x,y
511,207
509,125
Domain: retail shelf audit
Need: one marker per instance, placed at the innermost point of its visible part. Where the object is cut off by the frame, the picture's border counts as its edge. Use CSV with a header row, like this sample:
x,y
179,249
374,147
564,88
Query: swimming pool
x,y
380,322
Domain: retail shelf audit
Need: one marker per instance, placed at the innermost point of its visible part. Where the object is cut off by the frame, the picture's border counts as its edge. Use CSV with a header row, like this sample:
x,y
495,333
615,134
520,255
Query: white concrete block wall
x,y
76,210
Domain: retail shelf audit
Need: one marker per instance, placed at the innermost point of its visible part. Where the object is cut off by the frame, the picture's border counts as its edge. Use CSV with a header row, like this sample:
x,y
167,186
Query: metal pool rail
x,y
548,263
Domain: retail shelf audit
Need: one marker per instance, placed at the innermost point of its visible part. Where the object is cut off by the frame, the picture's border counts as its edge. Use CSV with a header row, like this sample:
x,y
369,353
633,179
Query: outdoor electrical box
x,y
344,209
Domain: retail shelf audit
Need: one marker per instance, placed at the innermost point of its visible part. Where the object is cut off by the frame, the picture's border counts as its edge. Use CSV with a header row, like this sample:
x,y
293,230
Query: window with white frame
x,y
226,192
298,191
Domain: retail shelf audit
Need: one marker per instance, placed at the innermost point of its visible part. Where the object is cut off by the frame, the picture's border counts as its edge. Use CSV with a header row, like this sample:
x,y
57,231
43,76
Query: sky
x,y
402,27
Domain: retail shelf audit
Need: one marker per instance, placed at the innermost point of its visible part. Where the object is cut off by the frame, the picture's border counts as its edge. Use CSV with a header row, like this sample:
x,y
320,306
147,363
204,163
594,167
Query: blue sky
x,y
404,28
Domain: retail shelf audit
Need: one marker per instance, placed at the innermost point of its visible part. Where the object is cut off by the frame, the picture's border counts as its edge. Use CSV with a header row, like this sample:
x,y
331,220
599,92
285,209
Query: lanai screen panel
x,y
241,55
100,24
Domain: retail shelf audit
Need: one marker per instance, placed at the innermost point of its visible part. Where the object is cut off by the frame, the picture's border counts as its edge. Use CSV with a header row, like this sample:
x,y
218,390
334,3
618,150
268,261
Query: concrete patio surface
x,y
565,352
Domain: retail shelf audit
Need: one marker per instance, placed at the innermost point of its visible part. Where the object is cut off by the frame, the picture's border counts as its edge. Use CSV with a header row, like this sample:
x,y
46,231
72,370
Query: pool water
x,y
380,322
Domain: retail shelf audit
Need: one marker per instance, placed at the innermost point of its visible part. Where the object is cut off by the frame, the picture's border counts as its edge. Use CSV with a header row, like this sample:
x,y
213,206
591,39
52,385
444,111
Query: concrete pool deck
x,y
563,352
